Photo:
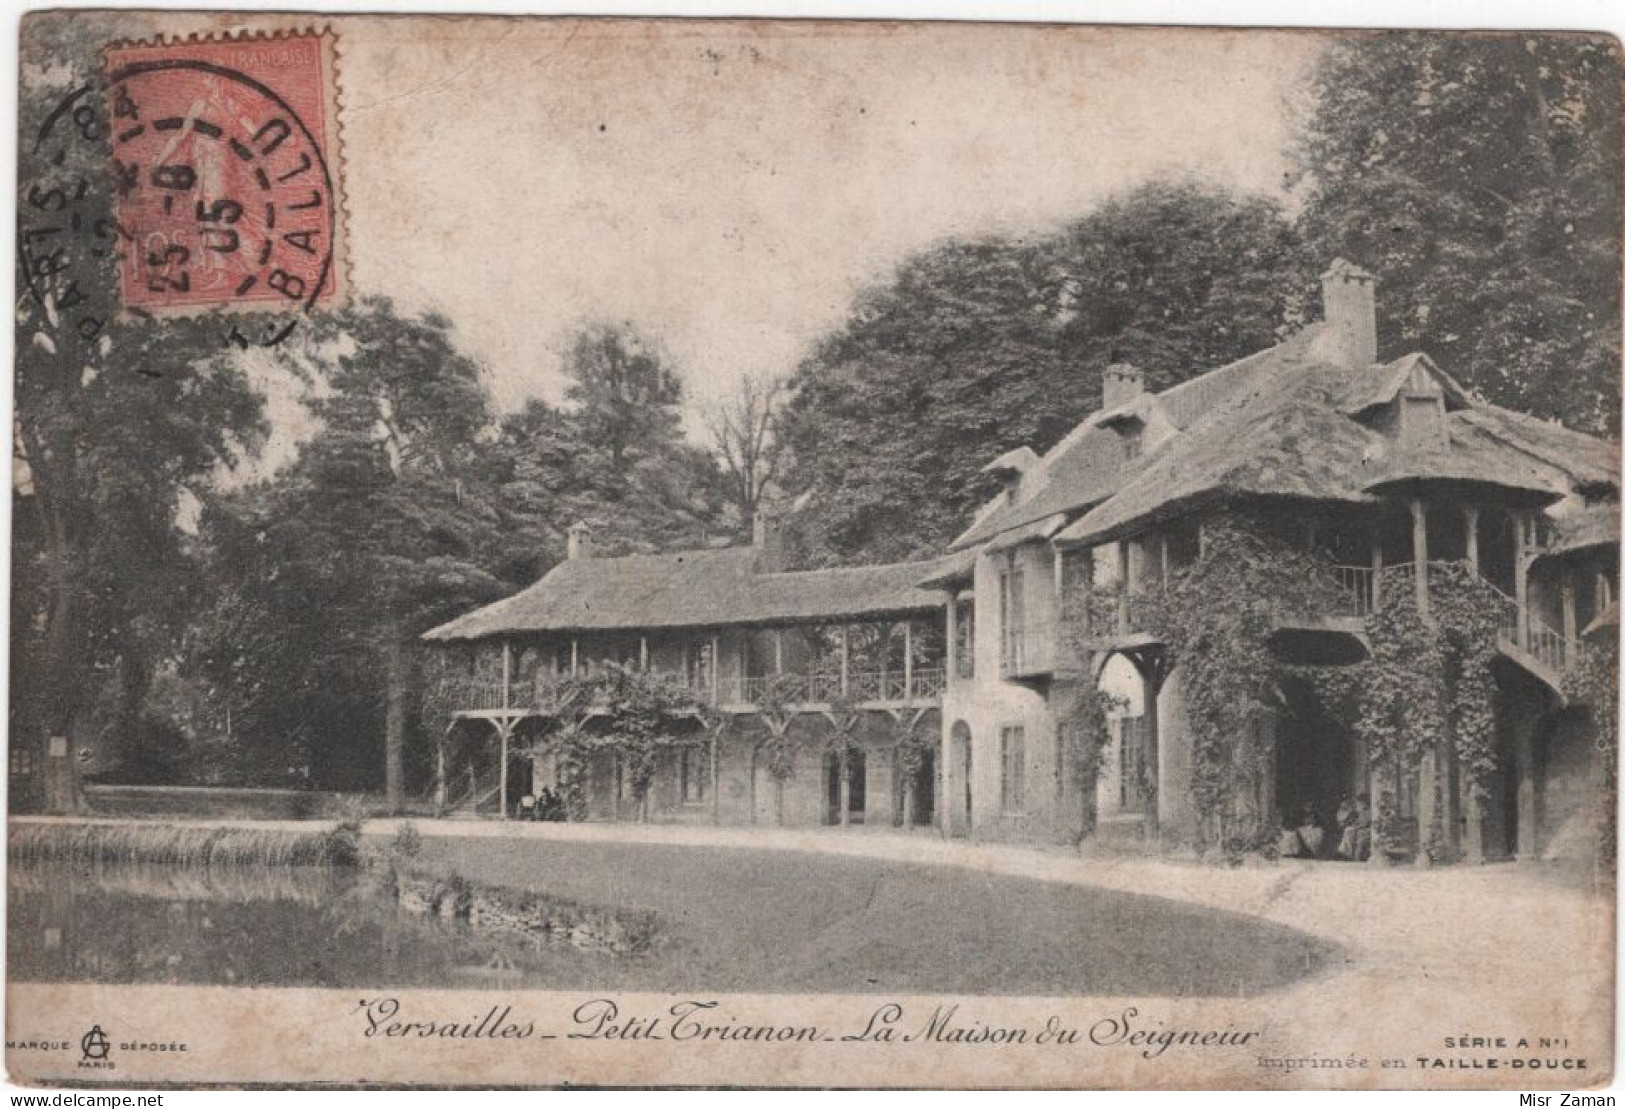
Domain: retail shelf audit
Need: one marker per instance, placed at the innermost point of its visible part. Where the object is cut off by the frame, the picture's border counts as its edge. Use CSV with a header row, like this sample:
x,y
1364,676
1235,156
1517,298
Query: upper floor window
x,y
697,664
1012,614
965,640
1421,421
1013,768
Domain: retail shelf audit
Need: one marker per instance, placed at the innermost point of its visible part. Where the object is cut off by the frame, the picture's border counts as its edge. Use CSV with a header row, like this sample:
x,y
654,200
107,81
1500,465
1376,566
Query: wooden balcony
x,y
920,687
1523,635
1034,649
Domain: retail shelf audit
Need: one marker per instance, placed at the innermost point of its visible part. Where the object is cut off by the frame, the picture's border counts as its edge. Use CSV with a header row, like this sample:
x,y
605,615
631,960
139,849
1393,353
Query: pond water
x,y
633,916
293,926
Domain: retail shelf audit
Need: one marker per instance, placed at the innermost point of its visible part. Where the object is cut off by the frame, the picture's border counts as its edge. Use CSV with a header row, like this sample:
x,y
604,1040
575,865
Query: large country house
x,y
940,693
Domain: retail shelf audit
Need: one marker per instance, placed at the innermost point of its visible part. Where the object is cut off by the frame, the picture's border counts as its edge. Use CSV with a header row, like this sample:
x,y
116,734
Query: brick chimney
x,y
578,542
1122,383
1349,298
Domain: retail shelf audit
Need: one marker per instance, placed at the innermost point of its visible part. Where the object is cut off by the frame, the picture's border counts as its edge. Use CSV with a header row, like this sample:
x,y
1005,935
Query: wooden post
x,y
716,775
908,660
507,671
1084,621
846,658
1419,551
575,656
1521,577
643,652
1571,623
440,776
1060,579
1376,571
1151,723
951,658
778,652
1122,587
908,794
503,728
1470,513
1166,566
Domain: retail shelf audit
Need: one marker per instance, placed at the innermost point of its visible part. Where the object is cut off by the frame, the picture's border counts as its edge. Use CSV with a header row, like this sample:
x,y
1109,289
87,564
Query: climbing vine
x,y
912,744
620,709
1428,685
1085,722
1593,684
1216,616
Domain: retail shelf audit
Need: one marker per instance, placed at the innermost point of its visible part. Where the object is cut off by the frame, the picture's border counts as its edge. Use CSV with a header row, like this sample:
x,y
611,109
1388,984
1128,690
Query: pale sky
x,y
729,187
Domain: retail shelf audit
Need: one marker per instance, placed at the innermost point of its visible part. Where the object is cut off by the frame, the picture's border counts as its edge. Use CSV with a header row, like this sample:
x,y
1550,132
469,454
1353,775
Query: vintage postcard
x,y
559,552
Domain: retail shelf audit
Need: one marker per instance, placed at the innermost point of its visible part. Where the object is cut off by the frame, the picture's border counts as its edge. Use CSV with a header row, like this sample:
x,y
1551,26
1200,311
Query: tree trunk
x,y
395,664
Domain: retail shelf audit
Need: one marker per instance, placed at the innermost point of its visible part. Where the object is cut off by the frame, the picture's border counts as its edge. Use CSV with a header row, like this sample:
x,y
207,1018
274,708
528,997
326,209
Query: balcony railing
x,y
1030,649
1541,640
862,686
546,695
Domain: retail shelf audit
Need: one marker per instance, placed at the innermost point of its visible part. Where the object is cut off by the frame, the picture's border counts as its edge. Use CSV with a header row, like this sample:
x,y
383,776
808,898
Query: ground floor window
x,y
1131,741
1013,767
692,773
22,762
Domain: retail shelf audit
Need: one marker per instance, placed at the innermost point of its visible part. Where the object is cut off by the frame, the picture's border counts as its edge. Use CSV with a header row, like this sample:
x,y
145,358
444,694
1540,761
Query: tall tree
x,y
623,389
120,420
745,437
1479,178
384,526
975,348
616,453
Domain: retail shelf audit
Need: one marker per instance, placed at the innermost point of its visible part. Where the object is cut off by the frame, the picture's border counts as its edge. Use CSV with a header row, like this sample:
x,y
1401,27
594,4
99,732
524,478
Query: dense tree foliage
x,y
975,348
1479,177
614,457
330,569
409,504
119,423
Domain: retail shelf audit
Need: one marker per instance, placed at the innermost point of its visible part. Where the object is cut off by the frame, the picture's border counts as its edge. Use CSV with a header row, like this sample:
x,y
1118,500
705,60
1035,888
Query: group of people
x,y
1308,838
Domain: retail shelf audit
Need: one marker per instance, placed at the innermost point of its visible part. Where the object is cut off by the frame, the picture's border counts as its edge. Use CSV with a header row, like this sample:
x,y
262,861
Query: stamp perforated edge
x,y
327,39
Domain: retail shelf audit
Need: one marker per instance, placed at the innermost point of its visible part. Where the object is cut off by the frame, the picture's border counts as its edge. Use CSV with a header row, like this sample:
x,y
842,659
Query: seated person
x,y
1289,844
1312,835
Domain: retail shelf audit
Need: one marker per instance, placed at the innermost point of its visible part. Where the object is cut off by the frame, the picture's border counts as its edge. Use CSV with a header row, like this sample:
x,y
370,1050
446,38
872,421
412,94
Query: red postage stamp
x,y
226,179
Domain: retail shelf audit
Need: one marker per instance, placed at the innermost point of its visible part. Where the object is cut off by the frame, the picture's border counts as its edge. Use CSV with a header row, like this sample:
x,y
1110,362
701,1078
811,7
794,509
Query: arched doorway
x,y
957,806
1316,765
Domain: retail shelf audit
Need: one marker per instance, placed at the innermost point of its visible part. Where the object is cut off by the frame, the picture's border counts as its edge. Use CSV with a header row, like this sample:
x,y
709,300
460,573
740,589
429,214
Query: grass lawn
x,y
740,919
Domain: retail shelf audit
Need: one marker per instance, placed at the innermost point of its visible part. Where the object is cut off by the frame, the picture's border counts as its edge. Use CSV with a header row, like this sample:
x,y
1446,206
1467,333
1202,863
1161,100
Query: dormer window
x,y
1421,420
1130,428
1133,437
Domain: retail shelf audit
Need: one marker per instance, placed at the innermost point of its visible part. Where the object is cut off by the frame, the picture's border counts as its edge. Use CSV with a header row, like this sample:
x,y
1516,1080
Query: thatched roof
x,y
1587,529
1281,436
1286,425
1090,464
1586,460
695,589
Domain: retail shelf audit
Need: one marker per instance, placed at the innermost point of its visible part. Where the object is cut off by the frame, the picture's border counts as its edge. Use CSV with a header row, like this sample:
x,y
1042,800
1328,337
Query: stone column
x,y
1427,806
844,769
1528,788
